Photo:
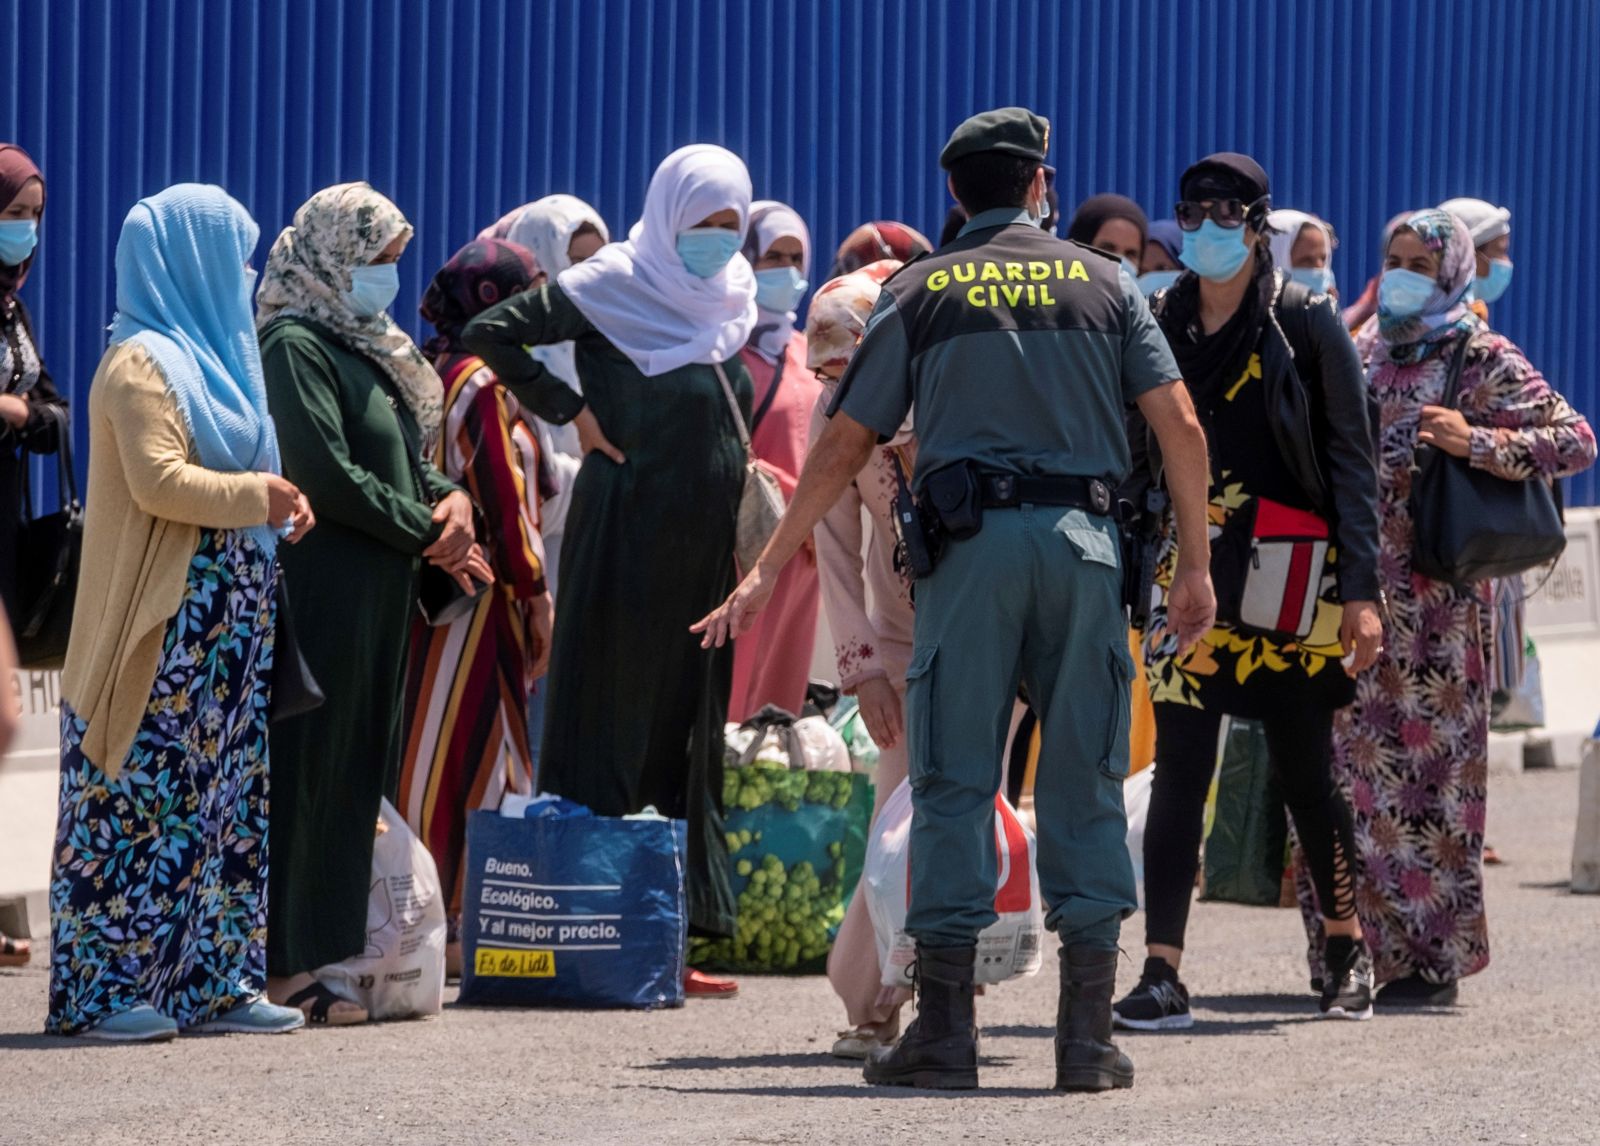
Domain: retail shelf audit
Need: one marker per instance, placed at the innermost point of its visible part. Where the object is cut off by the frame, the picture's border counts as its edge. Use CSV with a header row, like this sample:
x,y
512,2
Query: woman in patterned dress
x,y
469,682
1413,748
158,898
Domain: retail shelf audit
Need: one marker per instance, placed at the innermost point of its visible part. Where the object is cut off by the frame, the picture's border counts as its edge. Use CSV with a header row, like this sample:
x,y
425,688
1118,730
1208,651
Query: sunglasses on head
x,y
1230,213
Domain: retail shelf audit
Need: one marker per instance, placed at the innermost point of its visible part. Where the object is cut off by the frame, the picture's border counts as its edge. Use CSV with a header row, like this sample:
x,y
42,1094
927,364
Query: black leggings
x,y
1300,747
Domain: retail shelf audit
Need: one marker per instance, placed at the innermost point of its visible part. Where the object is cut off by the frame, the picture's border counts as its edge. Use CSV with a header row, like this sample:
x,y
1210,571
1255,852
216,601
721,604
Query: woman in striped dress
x,y
468,684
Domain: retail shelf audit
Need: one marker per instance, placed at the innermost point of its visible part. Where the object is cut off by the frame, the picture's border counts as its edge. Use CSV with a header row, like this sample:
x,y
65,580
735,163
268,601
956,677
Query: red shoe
x,y
699,985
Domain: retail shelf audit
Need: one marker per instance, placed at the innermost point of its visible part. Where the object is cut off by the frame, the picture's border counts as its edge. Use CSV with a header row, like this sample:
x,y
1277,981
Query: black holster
x,y
919,542
1141,547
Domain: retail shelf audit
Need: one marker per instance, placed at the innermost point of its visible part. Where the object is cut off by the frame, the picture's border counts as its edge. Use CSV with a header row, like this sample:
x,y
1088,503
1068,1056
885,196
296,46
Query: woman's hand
x,y
303,521
284,500
471,570
592,437
880,711
13,411
455,511
1361,634
1191,607
1446,429
541,616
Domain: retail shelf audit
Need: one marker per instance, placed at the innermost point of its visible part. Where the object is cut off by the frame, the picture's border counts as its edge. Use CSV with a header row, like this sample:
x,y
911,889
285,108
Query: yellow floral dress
x,y
1235,670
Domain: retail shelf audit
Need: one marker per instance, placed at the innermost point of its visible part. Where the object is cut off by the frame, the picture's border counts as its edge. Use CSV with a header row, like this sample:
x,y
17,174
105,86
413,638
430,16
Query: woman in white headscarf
x,y
636,707
772,662
561,231
1302,245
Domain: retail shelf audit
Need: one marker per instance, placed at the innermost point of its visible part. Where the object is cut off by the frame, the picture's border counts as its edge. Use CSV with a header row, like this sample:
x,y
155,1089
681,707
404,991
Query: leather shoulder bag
x,y
761,504
1471,525
49,548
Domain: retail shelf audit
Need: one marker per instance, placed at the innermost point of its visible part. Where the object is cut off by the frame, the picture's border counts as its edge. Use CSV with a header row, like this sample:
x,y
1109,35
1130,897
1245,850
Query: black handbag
x,y
294,690
440,597
49,548
1473,526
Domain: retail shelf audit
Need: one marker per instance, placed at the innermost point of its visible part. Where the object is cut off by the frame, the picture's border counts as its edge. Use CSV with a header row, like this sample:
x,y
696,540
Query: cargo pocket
x,y
1114,761
920,700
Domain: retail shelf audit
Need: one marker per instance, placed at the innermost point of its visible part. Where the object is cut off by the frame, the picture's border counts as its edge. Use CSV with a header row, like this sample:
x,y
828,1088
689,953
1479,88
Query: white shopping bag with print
x,y
401,973
1008,948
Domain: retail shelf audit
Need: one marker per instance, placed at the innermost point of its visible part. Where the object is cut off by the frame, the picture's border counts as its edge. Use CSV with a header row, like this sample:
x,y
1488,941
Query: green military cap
x,y
1013,130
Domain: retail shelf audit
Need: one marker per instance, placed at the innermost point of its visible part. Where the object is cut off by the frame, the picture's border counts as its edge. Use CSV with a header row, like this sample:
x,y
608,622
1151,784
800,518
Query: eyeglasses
x,y
1230,213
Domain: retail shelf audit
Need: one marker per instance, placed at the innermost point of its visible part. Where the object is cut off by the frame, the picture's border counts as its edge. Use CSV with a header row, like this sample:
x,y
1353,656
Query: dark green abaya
x,y
636,708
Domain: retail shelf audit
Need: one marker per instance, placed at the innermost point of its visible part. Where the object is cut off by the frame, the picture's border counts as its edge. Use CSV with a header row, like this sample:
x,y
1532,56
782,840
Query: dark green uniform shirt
x,y
1019,351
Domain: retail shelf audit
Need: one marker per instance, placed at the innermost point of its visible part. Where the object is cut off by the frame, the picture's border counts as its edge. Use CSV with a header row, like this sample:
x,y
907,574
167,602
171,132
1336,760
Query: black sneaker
x,y
1347,989
1415,991
1159,1003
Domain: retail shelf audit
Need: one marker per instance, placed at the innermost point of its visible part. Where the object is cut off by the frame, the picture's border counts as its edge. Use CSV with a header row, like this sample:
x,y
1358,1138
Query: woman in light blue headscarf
x,y
158,900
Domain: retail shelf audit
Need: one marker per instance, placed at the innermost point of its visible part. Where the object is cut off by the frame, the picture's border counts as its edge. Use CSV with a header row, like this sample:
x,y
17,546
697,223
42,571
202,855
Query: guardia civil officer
x,y
1019,351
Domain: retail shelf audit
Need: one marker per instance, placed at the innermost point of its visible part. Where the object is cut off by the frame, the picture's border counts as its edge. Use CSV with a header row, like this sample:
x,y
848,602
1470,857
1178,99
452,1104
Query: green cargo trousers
x,y
1035,597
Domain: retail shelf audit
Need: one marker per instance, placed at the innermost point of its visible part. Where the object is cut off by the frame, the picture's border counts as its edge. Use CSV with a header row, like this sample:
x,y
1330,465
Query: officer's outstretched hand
x,y
1191,607
734,616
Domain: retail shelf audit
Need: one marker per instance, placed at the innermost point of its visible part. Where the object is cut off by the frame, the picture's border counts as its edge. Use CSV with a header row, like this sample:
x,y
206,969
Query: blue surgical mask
x,y
1403,293
706,250
1130,266
1317,279
1152,281
373,287
1491,286
1214,252
779,289
18,238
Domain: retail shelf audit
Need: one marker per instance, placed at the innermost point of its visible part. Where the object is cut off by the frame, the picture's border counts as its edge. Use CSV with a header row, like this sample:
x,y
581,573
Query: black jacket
x,y
1324,423
39,435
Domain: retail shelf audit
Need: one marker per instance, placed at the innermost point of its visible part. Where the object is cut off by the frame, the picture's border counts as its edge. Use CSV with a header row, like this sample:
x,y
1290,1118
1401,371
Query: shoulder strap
x,y
772,391
1452,387
1294,302
733,405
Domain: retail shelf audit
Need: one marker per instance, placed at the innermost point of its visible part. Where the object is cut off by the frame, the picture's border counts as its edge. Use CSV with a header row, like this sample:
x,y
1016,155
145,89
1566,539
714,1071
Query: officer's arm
x,y
1170,412
872,401
840,453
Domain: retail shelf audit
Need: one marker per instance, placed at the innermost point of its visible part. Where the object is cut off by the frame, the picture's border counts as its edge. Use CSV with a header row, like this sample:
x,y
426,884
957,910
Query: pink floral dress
x,y
1413,747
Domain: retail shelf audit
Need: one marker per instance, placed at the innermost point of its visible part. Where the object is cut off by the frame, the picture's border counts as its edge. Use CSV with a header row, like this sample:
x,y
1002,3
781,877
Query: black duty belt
x,y
1004,491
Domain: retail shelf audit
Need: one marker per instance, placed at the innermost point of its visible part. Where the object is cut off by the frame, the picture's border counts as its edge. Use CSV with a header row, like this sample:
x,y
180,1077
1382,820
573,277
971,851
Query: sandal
x,y
14,952
318,1014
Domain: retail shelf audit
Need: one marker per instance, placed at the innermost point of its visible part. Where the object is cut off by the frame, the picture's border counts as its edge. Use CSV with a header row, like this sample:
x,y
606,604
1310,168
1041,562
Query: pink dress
x,y
772,662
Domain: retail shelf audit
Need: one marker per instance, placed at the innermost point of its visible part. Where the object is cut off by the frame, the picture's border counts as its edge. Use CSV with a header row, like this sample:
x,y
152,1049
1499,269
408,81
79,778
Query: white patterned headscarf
x,y
308,276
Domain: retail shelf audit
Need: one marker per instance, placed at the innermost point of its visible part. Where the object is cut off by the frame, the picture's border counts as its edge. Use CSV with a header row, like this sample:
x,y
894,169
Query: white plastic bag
x,y
1008,948
1136,799
401,973
821,745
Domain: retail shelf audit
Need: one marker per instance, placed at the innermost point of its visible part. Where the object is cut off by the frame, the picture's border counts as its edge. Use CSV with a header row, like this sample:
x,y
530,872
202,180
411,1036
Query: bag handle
x,y
772,392
733,404
66,475
1452,388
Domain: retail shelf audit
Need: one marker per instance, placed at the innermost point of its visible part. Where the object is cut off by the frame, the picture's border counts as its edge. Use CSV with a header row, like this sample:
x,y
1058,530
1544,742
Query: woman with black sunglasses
x,y
1280,391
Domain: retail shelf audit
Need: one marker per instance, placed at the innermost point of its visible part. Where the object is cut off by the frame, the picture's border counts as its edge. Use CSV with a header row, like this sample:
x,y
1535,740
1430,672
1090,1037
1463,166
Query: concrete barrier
x,y
1586,840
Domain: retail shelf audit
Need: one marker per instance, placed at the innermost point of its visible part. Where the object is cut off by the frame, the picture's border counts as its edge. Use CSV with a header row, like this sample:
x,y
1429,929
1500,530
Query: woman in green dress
x,y
636,708
355,404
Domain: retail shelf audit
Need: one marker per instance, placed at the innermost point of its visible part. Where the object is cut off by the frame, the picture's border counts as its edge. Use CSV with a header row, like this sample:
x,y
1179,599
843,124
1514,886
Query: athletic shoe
x,y
257,1017
1415,991
1347,990
139,1025
1159,1003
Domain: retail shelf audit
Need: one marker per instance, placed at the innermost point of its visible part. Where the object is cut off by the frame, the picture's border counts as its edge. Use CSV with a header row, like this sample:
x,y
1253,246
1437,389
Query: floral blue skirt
x,y
158,893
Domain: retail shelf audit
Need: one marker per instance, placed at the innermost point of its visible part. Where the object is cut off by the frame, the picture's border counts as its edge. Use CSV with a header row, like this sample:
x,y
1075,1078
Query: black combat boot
x,y
1086,1058
940,1048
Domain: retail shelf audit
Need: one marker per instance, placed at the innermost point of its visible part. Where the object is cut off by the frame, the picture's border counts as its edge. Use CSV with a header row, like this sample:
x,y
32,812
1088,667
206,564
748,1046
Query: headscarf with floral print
x,y
1448,312
837,318
308,276
481,274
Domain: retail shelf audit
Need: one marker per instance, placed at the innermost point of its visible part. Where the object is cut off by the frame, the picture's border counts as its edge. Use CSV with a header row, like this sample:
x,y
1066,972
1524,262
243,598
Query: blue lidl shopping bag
x,y
573,911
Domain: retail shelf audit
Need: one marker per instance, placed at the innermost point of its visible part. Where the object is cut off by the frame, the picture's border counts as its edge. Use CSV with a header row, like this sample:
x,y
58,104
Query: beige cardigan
x,y
146,501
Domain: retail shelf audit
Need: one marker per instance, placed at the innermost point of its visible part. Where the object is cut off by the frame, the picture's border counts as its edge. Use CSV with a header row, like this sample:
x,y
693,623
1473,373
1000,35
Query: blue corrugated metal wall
x,y
460,109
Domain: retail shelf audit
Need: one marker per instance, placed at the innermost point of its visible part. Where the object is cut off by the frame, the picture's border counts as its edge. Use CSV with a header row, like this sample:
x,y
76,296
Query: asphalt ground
x,y
1518,1061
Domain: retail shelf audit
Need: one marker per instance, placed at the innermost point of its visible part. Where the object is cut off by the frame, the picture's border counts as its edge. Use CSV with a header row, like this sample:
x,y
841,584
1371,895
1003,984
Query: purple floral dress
x,y
1413,747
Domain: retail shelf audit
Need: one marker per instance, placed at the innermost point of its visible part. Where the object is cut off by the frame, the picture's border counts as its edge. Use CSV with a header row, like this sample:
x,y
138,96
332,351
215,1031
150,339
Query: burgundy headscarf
x,y
884,239
479,275
15,171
